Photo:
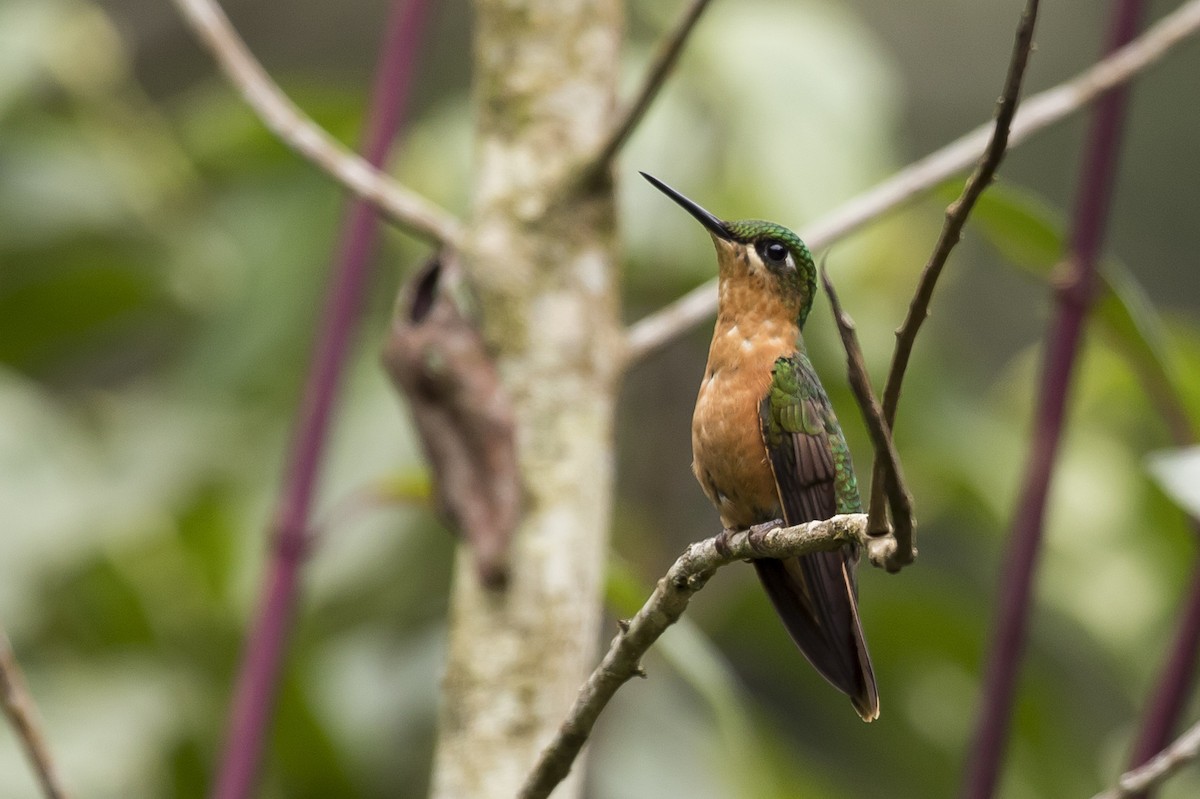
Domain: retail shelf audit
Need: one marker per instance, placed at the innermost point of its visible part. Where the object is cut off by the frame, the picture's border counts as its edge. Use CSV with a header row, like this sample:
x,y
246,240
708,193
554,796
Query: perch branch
x,y
956,218
1182,751
19,707
1074,298
1037,112
297,130
890,545
262,660
664,61
664,607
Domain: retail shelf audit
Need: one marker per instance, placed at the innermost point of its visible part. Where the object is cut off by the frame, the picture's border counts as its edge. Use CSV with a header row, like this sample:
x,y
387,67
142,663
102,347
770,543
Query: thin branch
x,y
1182,751
1169,696
664,61
1175,682
1037,112
956,218
664,607
1178,674
258,676
1074,299
401,205
891,547
22,714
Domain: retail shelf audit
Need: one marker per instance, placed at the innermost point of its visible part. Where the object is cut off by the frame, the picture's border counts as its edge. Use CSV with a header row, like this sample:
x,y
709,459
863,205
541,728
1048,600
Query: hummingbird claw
x,y
759,531
881,550
721,543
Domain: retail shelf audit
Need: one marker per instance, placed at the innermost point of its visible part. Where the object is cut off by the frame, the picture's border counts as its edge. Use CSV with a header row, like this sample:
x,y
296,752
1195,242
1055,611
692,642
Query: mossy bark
x,y
541,254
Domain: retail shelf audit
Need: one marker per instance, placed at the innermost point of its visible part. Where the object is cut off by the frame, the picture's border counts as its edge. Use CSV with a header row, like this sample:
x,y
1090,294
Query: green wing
x,y
815,474
815,595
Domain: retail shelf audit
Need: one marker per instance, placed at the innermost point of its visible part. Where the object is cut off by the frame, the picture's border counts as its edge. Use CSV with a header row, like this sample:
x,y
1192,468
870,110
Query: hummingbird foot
x,y
880,551
721,543
759,531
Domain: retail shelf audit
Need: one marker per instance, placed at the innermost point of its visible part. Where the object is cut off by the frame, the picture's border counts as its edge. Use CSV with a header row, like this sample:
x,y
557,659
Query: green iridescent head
x,y
780,251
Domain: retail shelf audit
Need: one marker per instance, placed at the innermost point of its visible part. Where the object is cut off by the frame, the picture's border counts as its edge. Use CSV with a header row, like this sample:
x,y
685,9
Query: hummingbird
x,y
766,444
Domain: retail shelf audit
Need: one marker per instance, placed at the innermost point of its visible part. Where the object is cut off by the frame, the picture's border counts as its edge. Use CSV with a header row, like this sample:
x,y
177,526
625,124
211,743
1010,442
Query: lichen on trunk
x,y
541,255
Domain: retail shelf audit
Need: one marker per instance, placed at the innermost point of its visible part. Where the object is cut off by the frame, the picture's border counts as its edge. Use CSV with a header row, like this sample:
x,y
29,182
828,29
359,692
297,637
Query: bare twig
x,y
401,205
1182,751
1075,295
664,607
19,708
668,53
956,218
1037,112
891,546
258,675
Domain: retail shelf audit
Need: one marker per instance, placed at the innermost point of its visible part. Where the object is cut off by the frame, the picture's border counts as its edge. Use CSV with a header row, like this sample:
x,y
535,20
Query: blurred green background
x,y
162,260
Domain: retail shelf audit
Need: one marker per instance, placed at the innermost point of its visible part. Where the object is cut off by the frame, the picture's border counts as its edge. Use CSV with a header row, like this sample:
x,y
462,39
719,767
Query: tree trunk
x,y
541,254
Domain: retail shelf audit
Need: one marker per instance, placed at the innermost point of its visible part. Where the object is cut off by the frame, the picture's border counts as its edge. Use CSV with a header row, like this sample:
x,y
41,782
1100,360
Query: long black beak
x,y
715,225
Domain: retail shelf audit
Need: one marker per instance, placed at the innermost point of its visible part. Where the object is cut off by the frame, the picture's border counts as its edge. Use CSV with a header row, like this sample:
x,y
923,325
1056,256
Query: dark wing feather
x,y
815,594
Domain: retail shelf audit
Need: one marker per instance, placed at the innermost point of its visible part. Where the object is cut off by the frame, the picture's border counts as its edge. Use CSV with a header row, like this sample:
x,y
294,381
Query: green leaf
x,y
1134,325
1025,229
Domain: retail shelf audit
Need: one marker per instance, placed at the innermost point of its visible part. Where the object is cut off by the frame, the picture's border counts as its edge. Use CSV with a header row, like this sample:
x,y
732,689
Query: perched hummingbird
x,y
766,444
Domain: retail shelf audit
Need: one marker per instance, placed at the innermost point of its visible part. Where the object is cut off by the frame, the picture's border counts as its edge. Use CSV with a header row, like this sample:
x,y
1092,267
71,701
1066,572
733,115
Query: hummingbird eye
x,y
775,252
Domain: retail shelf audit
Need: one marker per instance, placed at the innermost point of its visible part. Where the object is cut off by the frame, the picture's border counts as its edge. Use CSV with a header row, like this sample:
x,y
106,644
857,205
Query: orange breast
x,y
728,455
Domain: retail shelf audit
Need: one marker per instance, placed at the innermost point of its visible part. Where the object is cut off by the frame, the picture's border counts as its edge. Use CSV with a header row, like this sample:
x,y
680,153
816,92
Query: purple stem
x,y
258,678
1174,684
1074,300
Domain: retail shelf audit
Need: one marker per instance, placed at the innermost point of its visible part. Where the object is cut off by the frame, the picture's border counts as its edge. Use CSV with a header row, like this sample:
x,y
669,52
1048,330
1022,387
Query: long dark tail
x,y
815,596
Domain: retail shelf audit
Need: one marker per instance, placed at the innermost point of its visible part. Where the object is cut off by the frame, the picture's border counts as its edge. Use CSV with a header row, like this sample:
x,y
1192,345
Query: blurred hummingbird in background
x,y
766,444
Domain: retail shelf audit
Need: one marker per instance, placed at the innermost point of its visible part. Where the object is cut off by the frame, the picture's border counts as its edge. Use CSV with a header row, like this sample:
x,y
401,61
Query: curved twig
x,y
22,714
665,57
1037,112
401,205
882,483
893,544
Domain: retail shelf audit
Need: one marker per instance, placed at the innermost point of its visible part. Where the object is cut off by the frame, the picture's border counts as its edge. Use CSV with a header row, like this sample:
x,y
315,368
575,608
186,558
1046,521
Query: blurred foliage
x,y
162,260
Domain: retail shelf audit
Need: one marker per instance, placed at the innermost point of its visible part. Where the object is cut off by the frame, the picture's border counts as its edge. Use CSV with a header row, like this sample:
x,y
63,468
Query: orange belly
x,y
728,454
